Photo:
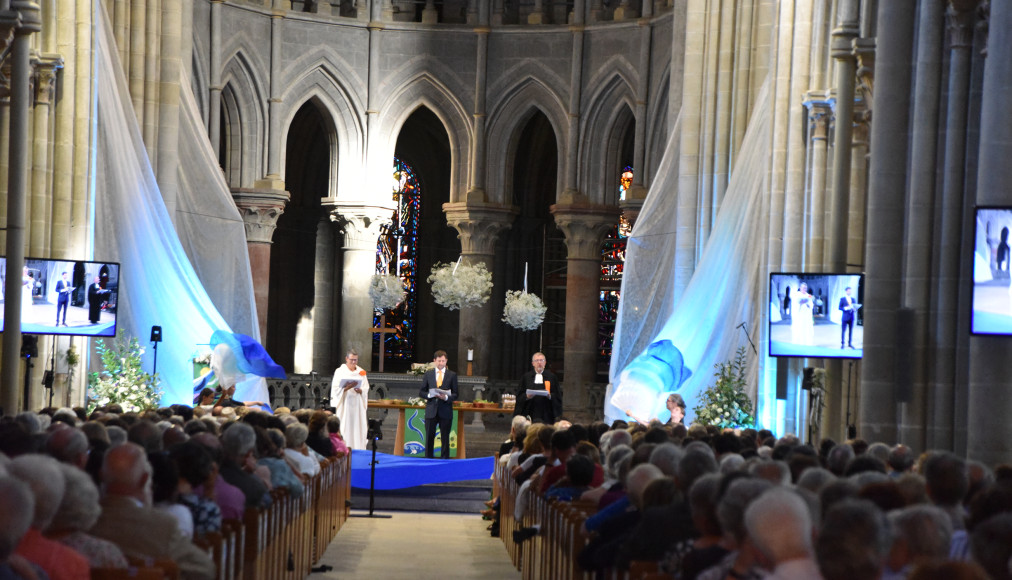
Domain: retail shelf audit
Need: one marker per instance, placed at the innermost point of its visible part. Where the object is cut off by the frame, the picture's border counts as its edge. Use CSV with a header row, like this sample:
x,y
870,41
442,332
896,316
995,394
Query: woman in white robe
x,y
350,403
802,320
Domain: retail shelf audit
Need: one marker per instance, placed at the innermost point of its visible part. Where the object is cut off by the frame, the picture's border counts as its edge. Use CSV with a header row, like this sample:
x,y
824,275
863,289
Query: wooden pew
x,y
283,541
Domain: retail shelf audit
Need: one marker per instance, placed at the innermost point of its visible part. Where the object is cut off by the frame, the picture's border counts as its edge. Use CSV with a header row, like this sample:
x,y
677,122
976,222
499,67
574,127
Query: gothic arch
x,y
340,109
245,118
505,125
425,90
609,116
333,137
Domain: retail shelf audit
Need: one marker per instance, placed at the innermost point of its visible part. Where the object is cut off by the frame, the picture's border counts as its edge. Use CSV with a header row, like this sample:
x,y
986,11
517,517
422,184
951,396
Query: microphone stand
x,y
374,435
745,328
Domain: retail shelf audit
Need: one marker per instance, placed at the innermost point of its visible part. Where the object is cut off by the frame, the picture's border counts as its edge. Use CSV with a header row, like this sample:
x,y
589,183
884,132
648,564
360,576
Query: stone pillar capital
x,y
959,23
260,210
820,114
361,224
30,15
847,28
46,68
478,225
585,226
9,20
864,51
983,21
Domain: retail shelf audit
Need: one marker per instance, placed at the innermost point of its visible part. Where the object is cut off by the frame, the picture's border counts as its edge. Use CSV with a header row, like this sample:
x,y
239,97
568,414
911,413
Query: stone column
x,y
537,15
497,12
169,71
360,225
429,14
877,412
637,193
575,95
41,207
584,226
214,72
820,113
842,47
260,209
478,227
274,144
920,214
476,191
624,12
27,12
991,357
941,390
858,186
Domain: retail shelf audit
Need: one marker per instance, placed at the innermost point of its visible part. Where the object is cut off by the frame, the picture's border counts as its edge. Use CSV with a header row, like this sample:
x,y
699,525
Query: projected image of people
x,y
71,298
992,281
816,315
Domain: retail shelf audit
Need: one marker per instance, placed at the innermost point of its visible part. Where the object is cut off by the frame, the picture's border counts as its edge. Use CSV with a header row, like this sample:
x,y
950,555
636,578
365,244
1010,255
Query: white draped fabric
x,y
722,291
209,225
159,286
350,407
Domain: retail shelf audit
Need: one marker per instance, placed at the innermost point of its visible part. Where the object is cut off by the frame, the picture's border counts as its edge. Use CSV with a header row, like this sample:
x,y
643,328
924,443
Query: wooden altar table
x,y
458,411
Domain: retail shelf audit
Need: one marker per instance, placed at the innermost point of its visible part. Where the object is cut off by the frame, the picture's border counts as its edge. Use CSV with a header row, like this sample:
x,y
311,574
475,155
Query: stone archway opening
x,y
309,154
424,145
536,242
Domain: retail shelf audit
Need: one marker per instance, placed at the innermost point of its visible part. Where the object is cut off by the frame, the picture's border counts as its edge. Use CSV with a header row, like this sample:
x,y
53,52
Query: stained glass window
x,y
397,253
612,264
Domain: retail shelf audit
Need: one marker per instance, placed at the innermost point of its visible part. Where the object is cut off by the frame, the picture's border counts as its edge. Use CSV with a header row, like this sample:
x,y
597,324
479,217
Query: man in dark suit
x,y
847,306
540,408
439,408
63,289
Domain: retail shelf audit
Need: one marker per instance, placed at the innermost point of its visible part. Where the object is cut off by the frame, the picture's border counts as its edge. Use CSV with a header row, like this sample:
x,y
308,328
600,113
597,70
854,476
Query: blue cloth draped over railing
x,y
396,472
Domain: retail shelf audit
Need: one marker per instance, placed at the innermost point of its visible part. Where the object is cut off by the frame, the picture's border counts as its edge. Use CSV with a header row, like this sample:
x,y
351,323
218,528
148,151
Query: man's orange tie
x,y
439,378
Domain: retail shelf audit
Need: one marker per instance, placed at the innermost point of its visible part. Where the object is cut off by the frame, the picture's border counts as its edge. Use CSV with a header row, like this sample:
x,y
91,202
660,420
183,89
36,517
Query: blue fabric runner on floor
x,y
395,472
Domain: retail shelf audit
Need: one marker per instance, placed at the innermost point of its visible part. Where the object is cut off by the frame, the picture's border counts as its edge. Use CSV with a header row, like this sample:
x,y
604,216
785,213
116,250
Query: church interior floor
x,y
415,545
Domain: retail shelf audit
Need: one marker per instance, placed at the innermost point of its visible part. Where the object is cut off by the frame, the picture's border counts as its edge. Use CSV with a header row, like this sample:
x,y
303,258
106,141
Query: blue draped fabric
x,y
395,472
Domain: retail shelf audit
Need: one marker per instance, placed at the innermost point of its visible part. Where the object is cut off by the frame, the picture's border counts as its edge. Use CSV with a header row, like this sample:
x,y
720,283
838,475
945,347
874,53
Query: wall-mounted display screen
x,y
816,315
65,297
991,302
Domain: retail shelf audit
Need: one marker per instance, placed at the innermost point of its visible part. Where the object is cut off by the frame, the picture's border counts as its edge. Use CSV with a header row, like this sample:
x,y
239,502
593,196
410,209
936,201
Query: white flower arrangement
x,y
523,311
726,404
457,286
122,379
203,358
421,368
386,291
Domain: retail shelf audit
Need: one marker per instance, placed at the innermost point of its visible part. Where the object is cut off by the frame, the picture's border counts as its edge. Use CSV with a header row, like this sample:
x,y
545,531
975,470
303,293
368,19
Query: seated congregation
x,y
664,501
173,493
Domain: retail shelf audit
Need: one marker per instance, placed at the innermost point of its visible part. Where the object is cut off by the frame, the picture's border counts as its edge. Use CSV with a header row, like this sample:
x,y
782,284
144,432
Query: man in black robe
x,y
96,297
541,408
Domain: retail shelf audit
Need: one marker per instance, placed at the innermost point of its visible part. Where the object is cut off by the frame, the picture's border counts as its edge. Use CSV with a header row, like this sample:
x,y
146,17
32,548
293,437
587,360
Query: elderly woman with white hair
x,y
297,452
42,475
16,508
77,513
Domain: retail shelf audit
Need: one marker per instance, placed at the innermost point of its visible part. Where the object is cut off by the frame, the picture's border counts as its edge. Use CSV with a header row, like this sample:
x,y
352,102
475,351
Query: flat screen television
x,y
68,297
816,315
991,298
